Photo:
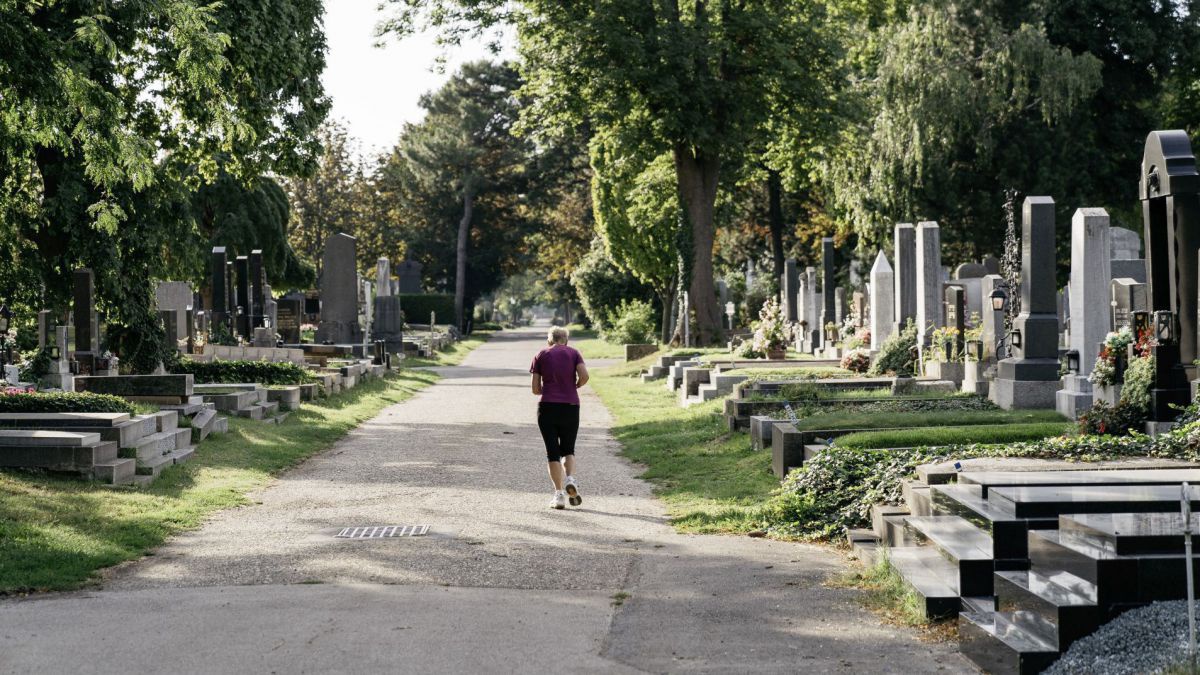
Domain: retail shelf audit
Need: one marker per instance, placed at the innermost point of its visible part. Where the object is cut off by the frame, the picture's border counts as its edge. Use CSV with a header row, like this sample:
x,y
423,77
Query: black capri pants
x,y
559,424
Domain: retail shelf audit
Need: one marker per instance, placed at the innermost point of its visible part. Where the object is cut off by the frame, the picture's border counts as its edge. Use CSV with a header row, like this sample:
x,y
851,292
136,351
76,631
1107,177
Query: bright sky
x,y
375,90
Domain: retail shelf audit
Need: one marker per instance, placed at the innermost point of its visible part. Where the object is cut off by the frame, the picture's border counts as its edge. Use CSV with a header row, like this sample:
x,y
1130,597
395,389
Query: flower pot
x,y
777,353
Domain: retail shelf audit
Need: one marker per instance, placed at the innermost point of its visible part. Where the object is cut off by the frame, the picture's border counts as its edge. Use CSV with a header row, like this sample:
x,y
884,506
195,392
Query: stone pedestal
x,y
1023,394
263,337
1109,393
1075,397
939,370
973,381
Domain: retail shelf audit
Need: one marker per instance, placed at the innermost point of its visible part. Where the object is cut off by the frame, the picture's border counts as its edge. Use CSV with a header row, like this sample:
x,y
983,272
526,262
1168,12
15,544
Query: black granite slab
x,y
1128,533
1051,501
966,546
995,479
1056,612
1009,533
997,646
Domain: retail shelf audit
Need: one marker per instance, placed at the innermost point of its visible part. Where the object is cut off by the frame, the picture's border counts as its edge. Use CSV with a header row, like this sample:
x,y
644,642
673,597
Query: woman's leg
x,y
548,426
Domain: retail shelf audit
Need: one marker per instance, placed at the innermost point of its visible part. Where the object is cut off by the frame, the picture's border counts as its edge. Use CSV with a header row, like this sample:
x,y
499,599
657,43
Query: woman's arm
x,y
537,384
581,375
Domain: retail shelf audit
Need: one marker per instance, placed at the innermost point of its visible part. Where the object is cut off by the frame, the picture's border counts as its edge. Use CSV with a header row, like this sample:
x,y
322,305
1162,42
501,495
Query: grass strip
x,y
55,532
949,435
708,478
854,419
452,355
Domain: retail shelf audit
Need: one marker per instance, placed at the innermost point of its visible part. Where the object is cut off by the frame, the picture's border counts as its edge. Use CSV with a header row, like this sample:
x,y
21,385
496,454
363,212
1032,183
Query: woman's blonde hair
x,y
557,336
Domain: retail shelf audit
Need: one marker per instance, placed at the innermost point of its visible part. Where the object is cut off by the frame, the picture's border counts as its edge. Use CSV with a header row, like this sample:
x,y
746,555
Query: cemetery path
x,y
503,583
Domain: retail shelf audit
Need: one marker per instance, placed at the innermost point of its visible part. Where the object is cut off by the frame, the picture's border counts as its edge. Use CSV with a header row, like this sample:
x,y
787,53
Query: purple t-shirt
x,y
556,365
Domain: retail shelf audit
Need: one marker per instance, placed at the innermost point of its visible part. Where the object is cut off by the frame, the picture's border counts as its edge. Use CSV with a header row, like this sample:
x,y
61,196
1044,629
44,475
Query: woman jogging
x,y
558,371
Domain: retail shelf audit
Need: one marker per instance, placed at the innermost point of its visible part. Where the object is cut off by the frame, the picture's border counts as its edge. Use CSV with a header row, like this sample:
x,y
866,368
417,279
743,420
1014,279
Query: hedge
x,y
859,418
417,306
242,372
945,435
64,402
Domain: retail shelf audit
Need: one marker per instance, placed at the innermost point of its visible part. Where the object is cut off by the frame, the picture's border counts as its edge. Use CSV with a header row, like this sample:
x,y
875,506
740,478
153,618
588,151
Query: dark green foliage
x,y
898,353
37,366
64,402
602,286
1117,420
416,307
243,372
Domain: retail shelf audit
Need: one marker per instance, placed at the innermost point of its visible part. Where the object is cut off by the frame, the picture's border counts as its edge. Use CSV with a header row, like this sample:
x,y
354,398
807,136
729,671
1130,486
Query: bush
x,y
898,353
633,322
64,402
1139,377
241,372
1105,419
857,360
488,325
602,286
417,306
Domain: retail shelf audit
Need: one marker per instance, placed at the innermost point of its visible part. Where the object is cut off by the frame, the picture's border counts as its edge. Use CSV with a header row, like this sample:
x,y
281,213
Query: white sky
x,y
375,90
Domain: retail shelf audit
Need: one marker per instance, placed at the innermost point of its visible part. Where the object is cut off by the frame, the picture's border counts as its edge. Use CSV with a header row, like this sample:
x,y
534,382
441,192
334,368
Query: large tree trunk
x,y
460,278
775,220
696,176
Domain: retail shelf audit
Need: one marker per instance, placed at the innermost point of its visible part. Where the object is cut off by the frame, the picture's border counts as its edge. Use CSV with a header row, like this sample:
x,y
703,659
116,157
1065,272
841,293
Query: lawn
x,y
452,355
707,477
853,419
998,434
55,533
791,374
592,346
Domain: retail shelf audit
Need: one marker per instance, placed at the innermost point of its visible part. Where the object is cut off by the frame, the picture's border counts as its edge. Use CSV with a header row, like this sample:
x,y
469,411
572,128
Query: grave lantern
x,y
5,315
975,350
1070,361
1015,339
831,333
54,353
1164,327
1141,323
999,299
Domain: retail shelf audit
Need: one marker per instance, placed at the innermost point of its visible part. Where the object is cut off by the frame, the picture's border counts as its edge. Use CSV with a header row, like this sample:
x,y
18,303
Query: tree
x,y
327,200
466,142
698,80
638,215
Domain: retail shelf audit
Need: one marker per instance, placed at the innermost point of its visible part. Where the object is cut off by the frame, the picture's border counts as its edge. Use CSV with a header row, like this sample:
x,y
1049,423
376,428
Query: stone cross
x,y
882,304
789,284
905,274
1091,281
828,282
339,292
929,280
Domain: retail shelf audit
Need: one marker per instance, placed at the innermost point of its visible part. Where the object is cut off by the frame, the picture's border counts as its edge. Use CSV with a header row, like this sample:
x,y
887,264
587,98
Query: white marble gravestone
x,y
1089,293
882,304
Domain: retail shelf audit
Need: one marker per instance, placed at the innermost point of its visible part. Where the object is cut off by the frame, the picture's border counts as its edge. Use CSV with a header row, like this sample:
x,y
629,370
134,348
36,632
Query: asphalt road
x,y
500,584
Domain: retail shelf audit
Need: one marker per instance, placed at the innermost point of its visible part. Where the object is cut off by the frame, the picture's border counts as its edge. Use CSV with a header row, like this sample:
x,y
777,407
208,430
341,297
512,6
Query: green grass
x,y
708,478
851,419
953,435
592,346
55,533
452,355
886,593
790,374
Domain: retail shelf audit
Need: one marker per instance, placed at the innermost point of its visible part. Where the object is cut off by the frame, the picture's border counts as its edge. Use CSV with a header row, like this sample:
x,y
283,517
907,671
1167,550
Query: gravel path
x,y
503,584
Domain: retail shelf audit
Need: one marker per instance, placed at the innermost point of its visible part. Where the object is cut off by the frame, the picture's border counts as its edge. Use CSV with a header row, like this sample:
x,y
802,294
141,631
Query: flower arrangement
x,y
857,360
848,328
1104,372
772,331
944,345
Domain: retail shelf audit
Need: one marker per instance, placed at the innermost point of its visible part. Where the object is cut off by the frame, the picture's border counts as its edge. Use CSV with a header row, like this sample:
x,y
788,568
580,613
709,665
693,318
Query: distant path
x,y
503,584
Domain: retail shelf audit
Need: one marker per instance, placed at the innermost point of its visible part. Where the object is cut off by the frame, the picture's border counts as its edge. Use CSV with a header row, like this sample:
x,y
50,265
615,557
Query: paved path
x,y
503,585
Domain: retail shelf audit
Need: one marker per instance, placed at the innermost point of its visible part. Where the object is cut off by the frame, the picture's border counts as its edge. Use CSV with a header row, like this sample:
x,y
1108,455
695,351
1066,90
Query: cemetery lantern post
x,y
1169,188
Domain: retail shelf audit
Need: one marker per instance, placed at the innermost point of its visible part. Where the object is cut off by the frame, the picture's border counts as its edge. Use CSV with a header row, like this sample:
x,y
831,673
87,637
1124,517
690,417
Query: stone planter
x,y
1109,393
633,352
778,354
941,370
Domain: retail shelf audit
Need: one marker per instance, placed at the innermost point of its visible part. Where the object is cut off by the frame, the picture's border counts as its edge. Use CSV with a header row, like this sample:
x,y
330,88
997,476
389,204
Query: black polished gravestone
x,y
828,282
87,327
288,317
219,312
1169,188
244,302
956,310
258,286
789,285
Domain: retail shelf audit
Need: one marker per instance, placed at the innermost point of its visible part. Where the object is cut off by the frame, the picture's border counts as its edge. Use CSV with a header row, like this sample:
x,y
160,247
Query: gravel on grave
x,y
1144,640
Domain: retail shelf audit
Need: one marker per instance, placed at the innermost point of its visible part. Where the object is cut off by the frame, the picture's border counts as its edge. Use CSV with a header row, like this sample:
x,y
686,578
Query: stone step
x,y
1050,502
994,479
115,471
166,420
288,398
998,646
1116,578
760,431
72,458
254,412
930,577
1128,533
1009,534
55,420
916,498
1059,609
153,466
181,455
34,437
881,511
202,424
308,392
187,409
968,547
865,546
896,534
154,445
233,401
221,425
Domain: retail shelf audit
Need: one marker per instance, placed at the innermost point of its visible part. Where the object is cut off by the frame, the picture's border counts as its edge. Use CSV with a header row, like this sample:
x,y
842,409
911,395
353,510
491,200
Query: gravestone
x,y
1029,377
882,304
219,312
929,280
271,309
59,375
312,305
339,292
1124,244
383,277
87,328
789,284
388,327
990,264
839,306
408,276
1169,188
45,329
828,283
815,332
170,324
970,270
1128,296
1090,290
259,293
177,297
956,307
992,320
245,309
858,304
288,317
905,273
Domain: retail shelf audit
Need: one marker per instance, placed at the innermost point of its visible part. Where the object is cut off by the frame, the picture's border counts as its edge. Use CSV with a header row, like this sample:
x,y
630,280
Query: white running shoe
x,y
559,501
572,488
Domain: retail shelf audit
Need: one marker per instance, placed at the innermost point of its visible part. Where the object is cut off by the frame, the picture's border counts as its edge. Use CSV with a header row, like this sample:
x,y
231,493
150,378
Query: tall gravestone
x,y
383,277
839,306
815,332
289,315
1029,377
905,273
176,297
408,274
219,311
339,292
788,287
828,283
87,328
858,308
245,308
1126,255
929,280
258,289
388,324
1089,293
1169,187
882,304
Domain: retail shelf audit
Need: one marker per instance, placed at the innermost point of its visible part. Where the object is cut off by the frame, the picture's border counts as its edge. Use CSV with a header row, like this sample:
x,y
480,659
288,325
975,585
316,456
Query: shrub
x,y
64,402
857,360
240,372
1104,372
898,353
417,306
1105,419
488,325
602,286
633,322
1139,377
36,366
